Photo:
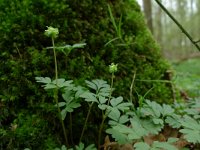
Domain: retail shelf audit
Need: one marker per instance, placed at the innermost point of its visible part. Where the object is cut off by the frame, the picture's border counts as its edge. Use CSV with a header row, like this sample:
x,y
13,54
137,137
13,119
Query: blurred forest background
x,y
175,45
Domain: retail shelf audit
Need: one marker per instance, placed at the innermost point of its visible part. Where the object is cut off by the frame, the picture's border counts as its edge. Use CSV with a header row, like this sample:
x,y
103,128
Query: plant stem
x,y
84,127
56,93
131,87
100,131
104,116
111,88
55,61
70,126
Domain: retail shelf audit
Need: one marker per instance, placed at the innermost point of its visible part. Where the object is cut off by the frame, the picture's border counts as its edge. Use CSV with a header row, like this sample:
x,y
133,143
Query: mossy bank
x,y
123,39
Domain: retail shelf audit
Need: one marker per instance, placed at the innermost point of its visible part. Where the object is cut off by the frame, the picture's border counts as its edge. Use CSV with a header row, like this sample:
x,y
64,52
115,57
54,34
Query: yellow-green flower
x,y
113,68
51,32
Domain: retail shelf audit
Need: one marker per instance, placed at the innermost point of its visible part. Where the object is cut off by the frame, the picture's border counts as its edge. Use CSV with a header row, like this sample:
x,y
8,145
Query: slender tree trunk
x,y
198,11
191,6
159,29
147,4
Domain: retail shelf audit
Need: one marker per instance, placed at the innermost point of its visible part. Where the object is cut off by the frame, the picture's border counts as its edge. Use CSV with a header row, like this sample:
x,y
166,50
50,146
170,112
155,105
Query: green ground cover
x,y
187,77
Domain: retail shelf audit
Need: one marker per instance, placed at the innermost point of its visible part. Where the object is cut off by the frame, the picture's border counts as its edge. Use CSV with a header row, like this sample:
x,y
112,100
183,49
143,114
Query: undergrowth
x,y
151,126
187,77
73,114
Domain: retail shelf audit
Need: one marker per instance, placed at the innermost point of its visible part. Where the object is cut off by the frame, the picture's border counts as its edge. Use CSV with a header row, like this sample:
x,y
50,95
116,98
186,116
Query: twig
x,y
197,41
164,81
178,24
20,55
131,87
86,120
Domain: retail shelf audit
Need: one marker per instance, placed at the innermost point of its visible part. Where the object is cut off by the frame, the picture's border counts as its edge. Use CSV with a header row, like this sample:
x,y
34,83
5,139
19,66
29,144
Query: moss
x,y
89,22
23,56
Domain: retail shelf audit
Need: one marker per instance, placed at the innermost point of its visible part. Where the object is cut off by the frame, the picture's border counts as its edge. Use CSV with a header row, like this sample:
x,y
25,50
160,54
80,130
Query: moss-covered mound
x,y
124,40
131,46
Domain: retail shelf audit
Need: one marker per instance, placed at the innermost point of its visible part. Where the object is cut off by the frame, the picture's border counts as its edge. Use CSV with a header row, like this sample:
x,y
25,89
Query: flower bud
x,y
51,32
113,68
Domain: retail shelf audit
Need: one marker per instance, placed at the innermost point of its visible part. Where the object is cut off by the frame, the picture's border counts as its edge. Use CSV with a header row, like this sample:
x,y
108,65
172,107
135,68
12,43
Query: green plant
x,y
157,145
57,84
151,119
63,147
127,124
109,105
81,146
116,27
191,129
187,78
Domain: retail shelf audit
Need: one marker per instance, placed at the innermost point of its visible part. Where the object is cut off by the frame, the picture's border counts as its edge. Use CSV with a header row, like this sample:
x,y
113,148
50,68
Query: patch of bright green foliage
x,y
127,123
188,77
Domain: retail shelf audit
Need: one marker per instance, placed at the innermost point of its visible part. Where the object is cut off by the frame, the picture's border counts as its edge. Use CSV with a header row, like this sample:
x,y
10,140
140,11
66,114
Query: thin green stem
x,y
56,93
100,130
111,88
104,116
86,120
131,87
70,126
55,60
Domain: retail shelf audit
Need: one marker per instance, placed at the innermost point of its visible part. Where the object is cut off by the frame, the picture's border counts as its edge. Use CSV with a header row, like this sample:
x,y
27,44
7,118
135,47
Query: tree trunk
x,y
158,19
147,5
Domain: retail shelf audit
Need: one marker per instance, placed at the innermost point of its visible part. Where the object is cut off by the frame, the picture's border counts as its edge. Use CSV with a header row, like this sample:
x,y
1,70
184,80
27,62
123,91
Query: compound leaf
x,y
102,99
174,121
45,80
61,104
89,97
91,85
118,136
91,147
114,114
115,101
141,146
163,146
167,110
191,129
103,106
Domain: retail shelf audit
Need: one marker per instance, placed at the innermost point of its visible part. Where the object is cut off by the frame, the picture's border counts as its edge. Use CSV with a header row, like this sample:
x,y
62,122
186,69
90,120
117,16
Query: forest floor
x,y
187,77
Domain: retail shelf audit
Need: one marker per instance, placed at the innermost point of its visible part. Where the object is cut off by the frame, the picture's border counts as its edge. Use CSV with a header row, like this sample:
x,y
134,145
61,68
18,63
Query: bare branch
x,y
197,41
178,24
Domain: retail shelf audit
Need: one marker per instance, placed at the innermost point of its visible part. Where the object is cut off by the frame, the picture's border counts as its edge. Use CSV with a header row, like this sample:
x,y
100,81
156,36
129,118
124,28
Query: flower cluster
x,y
51,32
113,68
